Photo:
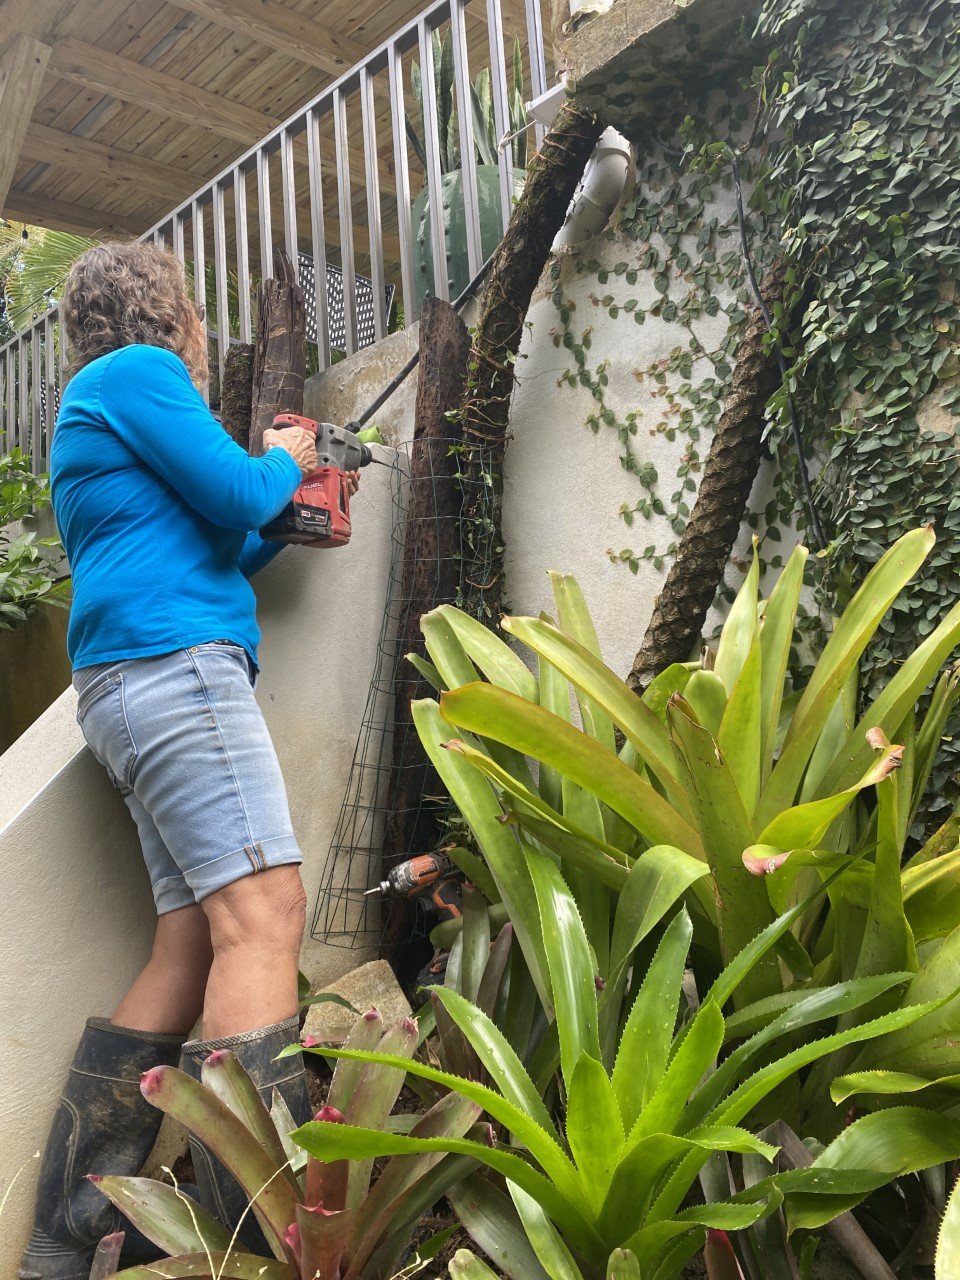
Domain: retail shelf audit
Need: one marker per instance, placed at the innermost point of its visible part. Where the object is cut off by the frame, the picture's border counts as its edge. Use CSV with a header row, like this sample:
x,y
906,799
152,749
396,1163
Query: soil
x,y
695,1269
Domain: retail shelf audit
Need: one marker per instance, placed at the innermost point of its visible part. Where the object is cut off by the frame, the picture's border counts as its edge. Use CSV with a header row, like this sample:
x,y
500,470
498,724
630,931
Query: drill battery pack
x,y
318,515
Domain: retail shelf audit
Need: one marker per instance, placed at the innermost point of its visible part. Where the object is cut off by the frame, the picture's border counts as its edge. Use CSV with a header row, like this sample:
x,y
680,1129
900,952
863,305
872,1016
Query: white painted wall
x,y
76,914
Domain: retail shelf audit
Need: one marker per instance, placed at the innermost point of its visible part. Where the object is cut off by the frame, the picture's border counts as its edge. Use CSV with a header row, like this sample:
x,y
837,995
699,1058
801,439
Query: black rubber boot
x,y
219,1192
102,1125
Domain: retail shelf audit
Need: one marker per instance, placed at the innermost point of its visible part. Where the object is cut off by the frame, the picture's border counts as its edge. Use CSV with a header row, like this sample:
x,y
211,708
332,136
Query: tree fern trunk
x,y
728,475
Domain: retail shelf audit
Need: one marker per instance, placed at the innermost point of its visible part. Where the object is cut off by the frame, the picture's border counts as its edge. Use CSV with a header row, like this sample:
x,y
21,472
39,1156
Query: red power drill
x,y
318,514
427,875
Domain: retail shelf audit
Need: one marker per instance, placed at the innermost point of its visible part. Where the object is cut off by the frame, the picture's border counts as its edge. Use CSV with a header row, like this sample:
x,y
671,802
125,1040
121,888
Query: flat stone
x,y
172,1142
371,986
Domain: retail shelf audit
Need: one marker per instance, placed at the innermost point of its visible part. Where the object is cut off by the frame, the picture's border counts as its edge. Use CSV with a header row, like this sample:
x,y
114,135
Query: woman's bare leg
x,y
168,994
256,928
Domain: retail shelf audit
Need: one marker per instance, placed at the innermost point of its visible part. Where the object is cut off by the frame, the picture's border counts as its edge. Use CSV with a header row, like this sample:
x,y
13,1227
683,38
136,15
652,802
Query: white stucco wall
x,y
76,915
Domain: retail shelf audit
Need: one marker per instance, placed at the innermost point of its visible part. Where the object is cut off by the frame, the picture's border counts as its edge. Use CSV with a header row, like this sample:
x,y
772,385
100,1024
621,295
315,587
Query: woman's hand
x,y
353,482
300,444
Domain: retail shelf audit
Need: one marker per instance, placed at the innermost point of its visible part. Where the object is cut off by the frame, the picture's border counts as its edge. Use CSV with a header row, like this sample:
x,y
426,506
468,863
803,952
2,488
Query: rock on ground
x,y
371,986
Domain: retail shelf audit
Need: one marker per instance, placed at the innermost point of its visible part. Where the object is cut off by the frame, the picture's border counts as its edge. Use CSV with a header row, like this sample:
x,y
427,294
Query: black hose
x,y
398,379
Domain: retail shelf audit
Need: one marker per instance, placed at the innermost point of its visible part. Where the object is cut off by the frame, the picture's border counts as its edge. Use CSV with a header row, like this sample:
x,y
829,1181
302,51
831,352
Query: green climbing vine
x,y
864,171
682,270
849,138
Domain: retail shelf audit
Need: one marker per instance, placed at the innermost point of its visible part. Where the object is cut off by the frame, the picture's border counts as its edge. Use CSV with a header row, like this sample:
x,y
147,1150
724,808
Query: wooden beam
x,y
108,73
299,36
41,212
23,62
97,160
33,17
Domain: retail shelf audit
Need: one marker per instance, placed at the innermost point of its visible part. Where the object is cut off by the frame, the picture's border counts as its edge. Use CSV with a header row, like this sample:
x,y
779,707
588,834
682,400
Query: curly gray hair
x,y
119,294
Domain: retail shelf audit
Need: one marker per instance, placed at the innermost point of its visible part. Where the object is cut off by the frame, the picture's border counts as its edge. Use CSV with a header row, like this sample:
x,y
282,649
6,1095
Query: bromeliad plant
x,y
321,1221
604,1185
769,788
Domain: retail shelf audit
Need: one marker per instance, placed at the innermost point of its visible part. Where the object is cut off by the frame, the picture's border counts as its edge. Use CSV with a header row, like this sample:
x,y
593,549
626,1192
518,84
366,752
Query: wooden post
x,y
431,572
236,392
279,363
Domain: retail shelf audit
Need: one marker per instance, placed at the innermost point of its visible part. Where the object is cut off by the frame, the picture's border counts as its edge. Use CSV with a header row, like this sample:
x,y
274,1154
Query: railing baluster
x,y
36,401
178,246
23,390
243,253
4,425
50,381
501,109
345,206
290,238
431,146
538,66
402,167
220,276
263,214
61,354
372,165
318,237
200,272
11,360
468,168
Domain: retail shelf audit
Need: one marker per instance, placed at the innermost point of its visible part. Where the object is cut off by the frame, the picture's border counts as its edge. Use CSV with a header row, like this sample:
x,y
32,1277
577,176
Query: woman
x,y
155,505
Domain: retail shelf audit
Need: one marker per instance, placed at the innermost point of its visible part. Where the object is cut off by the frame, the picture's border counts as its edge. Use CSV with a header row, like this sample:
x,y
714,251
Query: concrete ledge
x,y
638,58
347,387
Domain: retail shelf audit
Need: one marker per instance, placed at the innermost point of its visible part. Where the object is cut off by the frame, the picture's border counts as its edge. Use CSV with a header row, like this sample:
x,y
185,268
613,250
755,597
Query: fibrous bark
x,y
280,355
519,261
731,467
236,395
430,576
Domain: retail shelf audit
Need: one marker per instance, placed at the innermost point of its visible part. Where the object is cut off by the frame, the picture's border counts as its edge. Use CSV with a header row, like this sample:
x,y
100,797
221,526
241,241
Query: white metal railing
x,y
333,195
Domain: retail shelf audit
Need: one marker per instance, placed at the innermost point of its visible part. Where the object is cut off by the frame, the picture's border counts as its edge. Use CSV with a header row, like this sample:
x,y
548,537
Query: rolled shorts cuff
x,y
249,860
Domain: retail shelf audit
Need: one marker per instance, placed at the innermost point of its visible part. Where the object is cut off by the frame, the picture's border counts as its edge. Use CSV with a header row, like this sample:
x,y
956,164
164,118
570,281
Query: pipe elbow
x,y
600,190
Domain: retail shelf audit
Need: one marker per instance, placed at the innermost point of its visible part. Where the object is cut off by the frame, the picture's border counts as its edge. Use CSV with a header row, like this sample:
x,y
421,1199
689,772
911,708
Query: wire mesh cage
x,y
392,799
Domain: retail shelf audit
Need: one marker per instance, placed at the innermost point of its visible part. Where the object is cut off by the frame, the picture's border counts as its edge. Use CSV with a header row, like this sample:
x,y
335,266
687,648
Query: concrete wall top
x,y
633,58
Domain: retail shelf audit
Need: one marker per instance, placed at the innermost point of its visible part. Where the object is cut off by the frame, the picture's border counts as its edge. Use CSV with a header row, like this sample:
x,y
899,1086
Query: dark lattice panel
x,y
366,334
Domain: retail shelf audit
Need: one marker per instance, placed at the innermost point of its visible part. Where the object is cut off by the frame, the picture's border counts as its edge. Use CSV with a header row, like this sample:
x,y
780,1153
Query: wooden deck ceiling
x,y
111,113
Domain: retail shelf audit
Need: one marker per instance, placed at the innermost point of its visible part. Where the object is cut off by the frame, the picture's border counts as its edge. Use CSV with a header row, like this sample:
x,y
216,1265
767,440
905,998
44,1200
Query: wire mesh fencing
x,y
393,804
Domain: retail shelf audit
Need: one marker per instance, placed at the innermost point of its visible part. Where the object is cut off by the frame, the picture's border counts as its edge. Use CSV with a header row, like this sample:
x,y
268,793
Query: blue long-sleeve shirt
x,y
154,502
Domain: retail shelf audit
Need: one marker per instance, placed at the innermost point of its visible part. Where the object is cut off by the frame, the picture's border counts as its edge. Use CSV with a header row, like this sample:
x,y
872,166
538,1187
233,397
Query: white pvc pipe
x,y
600,190
593,5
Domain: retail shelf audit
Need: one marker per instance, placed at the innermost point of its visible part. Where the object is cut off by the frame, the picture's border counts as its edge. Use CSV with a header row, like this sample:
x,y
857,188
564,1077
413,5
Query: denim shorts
x,y
183,739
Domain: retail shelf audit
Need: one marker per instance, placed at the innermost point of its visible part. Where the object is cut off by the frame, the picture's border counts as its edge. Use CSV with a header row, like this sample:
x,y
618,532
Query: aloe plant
x,y
485,137
615,1171
321,1221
